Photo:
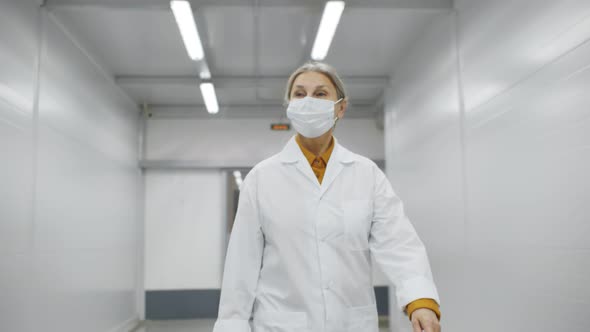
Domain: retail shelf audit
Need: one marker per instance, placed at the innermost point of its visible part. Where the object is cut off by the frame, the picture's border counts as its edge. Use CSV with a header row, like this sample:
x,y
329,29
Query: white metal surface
x,y
185,229
159,5
423,159
489,150
218,141
527,155
68,199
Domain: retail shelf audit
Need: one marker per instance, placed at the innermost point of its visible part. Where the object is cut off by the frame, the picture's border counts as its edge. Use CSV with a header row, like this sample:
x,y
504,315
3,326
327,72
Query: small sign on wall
x,y
280,126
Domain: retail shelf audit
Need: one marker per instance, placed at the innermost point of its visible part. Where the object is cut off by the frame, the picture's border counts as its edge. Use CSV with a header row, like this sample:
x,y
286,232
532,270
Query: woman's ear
x,y
341,108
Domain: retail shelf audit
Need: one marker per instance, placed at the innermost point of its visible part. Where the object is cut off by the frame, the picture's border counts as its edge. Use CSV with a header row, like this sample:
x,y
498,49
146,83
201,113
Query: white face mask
x,y
312,117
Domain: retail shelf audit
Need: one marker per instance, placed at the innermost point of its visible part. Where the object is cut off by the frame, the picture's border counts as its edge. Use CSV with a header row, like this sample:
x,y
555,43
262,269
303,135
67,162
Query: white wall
x,y
423,160
491,159
185,229
243,142
69,197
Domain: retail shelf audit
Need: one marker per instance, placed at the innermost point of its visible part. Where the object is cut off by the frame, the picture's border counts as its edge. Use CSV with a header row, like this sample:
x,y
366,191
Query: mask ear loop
x,y
337,118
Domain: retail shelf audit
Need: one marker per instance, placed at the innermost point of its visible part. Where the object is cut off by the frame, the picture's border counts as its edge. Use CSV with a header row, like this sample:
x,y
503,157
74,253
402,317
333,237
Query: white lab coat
x,y
299,255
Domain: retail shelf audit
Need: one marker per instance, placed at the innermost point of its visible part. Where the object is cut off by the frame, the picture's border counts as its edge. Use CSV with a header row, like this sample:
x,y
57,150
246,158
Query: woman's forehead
x,y
312,80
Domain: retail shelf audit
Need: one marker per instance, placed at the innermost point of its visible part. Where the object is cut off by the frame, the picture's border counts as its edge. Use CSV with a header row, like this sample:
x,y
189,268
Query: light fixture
x,y
332,12
238,177
183,14
208,92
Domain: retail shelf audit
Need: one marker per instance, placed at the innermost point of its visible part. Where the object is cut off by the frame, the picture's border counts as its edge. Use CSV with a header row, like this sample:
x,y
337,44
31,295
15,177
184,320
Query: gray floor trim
x,y
203,303
382,298
182,304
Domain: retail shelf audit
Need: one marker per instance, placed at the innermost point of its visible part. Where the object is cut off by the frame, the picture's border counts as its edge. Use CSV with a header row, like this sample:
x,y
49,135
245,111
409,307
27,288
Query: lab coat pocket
x,y
279,321
364,318
357,215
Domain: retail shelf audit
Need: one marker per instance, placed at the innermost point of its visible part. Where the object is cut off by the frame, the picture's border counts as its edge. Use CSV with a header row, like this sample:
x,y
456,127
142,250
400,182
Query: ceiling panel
x,y
130,41
228,38
190,94
371,41
242,40
285,37
164,94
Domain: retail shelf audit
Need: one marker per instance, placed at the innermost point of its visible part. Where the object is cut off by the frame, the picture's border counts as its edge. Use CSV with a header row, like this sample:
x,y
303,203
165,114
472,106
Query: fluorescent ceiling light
x,y
208,92
183,14
238,177
205,74
328,24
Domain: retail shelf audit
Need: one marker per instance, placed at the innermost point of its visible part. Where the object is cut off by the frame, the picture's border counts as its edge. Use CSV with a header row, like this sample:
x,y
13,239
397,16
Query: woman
x,y
309,219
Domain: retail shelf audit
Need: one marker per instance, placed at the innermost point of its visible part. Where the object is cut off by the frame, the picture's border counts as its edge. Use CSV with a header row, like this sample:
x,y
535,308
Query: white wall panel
x,y
503,178
69,197
18,33
244,142
83,194
185,229
78,100
17,184
87,191
527,161
504,42
423,158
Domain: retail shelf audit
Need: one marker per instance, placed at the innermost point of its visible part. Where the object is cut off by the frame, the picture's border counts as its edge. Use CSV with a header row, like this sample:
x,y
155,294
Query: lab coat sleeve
x,y
396,247
242,263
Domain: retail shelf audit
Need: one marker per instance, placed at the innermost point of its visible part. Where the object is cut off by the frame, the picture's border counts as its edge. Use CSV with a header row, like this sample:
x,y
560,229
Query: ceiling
x,y
251,47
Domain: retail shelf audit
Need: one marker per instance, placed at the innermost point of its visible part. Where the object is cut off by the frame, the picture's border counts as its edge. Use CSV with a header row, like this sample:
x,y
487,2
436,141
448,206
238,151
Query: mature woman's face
x,y
317,85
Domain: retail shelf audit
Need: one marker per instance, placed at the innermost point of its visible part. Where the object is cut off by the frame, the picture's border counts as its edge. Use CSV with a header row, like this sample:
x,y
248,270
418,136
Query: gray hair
x,y
319,67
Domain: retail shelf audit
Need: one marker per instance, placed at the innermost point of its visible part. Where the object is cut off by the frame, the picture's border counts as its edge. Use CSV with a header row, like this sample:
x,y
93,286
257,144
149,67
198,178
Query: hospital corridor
x,y
294,165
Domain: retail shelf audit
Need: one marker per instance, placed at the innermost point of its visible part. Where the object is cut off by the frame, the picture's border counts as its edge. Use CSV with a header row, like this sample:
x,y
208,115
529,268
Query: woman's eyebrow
x,y
317,87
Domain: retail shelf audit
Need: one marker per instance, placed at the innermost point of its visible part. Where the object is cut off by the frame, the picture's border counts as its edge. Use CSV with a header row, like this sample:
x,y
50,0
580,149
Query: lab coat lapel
x,y
338,160
292,154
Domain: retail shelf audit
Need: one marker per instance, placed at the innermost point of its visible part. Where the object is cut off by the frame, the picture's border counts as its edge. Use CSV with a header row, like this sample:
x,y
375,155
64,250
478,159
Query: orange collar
x,y
311,157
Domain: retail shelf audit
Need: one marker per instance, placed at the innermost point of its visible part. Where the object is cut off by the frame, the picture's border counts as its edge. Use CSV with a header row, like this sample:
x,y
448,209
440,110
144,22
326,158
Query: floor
x,y
189,325
200,325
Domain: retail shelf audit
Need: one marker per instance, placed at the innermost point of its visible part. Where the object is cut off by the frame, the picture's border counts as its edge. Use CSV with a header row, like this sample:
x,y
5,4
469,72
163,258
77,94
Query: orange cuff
x,y
423,303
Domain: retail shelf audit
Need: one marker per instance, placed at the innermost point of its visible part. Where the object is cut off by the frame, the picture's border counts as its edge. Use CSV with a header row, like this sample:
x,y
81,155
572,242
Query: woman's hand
x,y
425,319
